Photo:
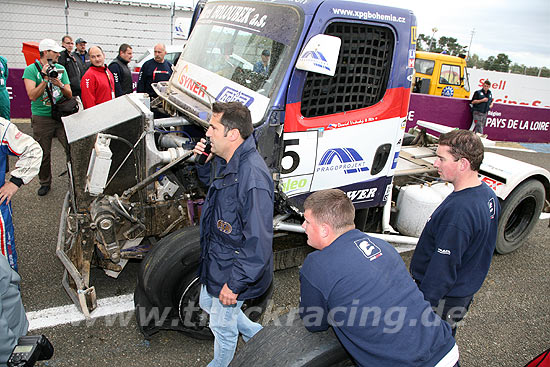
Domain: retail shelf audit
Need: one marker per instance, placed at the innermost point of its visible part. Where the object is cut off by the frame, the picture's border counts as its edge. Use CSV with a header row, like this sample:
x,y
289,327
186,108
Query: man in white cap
x,y
47,81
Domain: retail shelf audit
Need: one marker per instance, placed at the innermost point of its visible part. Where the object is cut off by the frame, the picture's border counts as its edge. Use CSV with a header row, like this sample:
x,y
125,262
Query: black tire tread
x,y
531,187
287,343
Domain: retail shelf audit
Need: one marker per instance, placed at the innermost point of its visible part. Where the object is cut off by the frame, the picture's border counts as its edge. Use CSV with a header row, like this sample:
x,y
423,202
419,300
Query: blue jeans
x,y
226,322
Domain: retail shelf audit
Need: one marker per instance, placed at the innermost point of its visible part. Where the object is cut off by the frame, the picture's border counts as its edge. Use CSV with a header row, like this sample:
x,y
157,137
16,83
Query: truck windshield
x,y
424,66
247,45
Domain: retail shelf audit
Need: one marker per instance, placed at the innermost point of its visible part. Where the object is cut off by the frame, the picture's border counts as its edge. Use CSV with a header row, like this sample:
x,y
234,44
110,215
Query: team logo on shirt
x,y
224,227
443,251
492,207
368,248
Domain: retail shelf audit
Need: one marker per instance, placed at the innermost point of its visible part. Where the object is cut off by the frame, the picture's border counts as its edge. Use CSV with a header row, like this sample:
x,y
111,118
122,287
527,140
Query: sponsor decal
x,y
492,207
362,195
235,14
294,184
319,59
347,159
387,192
229,94
443,252
369,15
395,159
413,35
350,123
224,226
494,184
448,91
368,248
18,135
190,84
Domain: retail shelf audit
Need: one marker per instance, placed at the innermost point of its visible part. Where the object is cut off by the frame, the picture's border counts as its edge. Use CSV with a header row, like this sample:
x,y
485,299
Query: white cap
x,y
49,44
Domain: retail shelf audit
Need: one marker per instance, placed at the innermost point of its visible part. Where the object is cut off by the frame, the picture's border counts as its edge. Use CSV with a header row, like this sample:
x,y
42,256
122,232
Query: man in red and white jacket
x,y
29,152
97,84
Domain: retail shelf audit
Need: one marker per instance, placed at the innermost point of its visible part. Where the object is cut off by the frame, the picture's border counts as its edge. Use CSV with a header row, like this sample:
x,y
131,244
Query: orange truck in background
x,y
441,75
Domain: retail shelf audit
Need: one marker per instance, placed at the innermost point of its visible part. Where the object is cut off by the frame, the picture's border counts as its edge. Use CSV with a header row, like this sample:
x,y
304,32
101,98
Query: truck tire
x,y
519,214
167,293
285,342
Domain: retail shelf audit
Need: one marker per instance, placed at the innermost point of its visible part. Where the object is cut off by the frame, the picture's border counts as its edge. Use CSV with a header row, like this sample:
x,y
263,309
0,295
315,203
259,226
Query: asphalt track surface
x,y
508,324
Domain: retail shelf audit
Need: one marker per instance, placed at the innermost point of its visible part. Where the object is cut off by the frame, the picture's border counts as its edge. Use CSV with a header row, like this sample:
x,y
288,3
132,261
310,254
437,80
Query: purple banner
x,y
504,122
19,100
20,103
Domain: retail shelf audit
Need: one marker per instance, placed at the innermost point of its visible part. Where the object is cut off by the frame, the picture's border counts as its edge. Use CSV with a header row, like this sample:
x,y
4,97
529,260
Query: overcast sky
x,y
518,28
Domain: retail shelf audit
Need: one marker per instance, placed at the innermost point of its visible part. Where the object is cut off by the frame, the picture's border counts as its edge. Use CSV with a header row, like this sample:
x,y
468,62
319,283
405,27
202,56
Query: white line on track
x,y
61,315
68,314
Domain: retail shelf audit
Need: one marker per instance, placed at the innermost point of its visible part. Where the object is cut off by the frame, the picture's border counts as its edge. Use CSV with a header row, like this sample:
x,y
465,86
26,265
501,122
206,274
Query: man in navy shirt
x,y
154,71
482,102
455,249
360,286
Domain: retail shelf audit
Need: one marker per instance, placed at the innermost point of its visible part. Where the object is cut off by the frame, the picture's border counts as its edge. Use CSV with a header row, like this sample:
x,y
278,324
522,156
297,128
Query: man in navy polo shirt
x,y
360,286
455,249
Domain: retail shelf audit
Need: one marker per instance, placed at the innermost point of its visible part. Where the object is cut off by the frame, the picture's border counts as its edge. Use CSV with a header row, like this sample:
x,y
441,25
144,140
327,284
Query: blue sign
x,y
229,94
448,92
346,158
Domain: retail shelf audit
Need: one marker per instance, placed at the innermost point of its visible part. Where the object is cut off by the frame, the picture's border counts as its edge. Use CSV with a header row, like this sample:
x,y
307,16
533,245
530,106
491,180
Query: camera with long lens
x,y
29,350
51,71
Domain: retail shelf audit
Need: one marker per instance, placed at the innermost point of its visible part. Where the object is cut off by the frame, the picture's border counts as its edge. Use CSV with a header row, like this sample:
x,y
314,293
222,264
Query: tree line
x,y
500,62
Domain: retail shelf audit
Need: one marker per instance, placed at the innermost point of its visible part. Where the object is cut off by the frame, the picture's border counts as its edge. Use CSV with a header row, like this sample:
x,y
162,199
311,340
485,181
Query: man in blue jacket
x,y
360,286
236,229
455,249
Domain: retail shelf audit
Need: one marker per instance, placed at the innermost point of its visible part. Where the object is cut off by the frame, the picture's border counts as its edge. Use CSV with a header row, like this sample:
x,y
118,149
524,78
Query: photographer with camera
x,y
46,81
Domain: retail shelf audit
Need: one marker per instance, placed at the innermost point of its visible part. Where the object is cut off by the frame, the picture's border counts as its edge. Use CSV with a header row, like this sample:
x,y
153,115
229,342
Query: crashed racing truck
x,y
329,112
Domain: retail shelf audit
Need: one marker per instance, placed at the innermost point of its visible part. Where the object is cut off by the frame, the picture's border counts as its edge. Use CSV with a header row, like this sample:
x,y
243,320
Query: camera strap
x,y
48,85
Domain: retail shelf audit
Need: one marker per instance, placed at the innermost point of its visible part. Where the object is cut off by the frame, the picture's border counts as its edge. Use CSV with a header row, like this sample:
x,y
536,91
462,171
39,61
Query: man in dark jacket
x,y
121,71
153,71
82,55
236,229
482,102
71,64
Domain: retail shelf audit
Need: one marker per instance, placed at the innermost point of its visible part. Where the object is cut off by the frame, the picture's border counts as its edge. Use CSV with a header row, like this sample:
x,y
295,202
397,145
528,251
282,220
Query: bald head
x,y
97,56
160,52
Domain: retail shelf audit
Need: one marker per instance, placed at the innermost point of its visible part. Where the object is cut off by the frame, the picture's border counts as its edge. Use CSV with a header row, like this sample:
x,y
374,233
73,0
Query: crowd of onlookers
x,y
60,74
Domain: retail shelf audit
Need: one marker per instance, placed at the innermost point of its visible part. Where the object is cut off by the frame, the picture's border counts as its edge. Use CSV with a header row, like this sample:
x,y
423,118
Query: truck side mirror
x,y
320,55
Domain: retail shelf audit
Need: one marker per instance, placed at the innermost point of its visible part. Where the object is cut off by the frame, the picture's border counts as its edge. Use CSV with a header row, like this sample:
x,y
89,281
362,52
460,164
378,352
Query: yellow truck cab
x,y
441,75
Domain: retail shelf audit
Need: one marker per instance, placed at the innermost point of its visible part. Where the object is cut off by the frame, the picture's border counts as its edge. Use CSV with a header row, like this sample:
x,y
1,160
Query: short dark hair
x,y
124,47
66,36
464,144
487,82
235,116
331,206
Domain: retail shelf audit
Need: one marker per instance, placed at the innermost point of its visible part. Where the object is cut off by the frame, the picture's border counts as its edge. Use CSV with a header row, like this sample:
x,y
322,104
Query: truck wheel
x,y
285,342
168,288
520,213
